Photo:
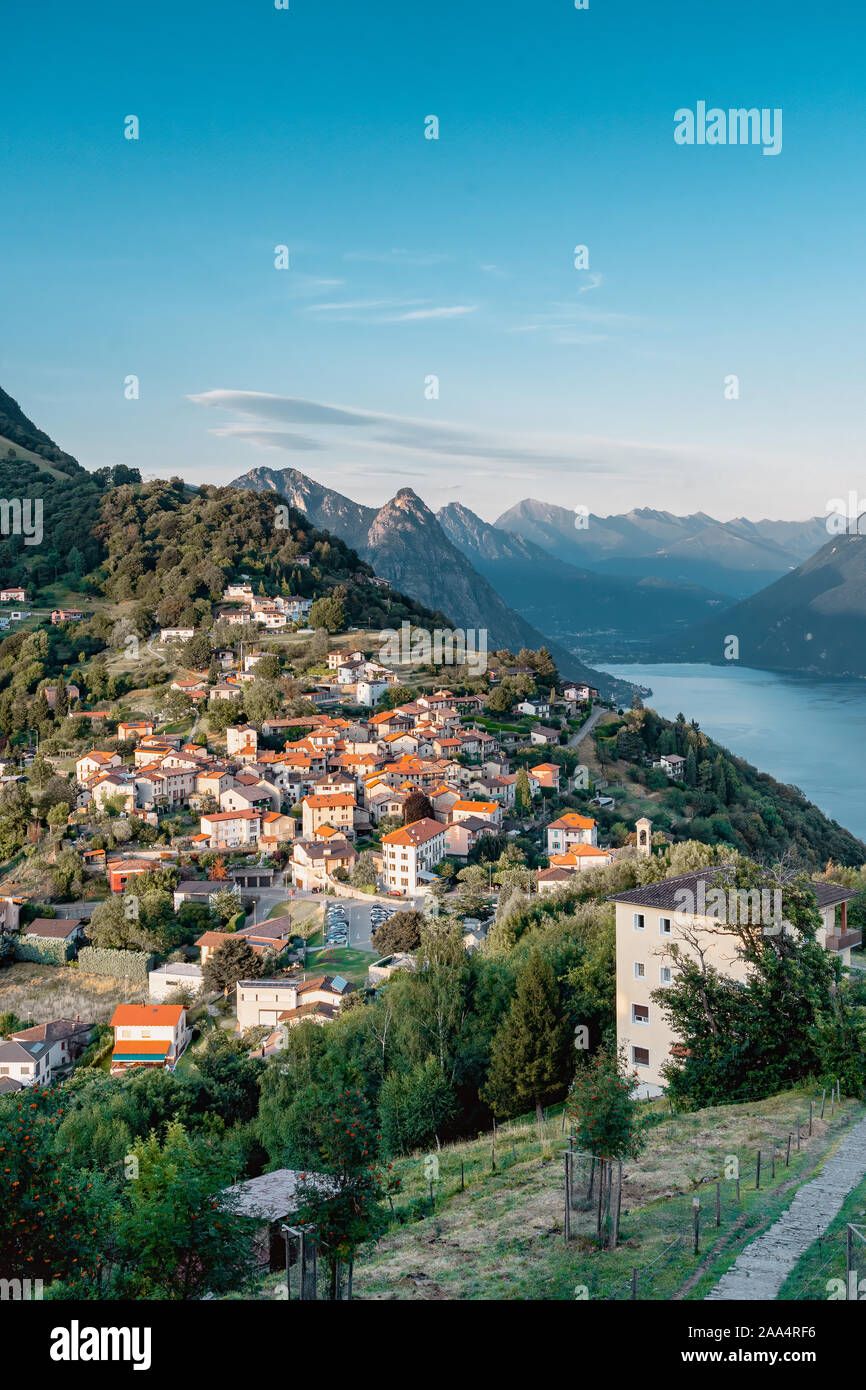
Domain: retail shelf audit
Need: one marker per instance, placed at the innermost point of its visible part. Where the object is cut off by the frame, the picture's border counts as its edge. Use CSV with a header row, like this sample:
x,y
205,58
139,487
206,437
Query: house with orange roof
x,y
278,828
140,728
231,828
314,862
571,829
549,880
114,786
546,775
335,809
96,763
148,1035
462,836
242,742
120,871
489,811
581,857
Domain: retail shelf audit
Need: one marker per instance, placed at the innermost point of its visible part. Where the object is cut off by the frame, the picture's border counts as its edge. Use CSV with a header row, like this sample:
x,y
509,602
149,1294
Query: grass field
x,y
43,992
304,914
502,1238
345,961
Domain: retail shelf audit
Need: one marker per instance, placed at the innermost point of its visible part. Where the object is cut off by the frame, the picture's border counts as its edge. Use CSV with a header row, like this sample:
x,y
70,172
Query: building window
x,y
664,926
639,922
665,974
640,1013
639,970
640,1056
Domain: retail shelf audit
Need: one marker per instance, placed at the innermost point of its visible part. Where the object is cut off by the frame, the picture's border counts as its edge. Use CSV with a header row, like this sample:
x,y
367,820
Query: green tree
x,y
347,1208
329,612
400,932
415,1107
234,960
178,1234
416,807
530,1053
523,792
364,874
225,905
604,1114
117,924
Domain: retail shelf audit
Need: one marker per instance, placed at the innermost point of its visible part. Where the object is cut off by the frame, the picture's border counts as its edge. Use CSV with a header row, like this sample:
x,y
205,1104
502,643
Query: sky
x,y
453,258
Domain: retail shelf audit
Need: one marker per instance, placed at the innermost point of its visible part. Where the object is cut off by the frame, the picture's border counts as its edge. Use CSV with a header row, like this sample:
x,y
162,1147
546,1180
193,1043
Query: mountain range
x,y
735,558
584,609
404,543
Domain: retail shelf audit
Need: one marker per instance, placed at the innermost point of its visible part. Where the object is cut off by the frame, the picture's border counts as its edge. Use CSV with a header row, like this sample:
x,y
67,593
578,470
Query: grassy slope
x,y
502,1237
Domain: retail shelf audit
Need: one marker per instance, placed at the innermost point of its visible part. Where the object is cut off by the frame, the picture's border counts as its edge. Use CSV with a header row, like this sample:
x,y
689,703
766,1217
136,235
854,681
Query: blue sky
x,y
412,257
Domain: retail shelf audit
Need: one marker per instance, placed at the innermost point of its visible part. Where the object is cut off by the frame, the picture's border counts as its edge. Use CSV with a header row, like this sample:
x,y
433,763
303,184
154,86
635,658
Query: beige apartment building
x,y
652,918
336,809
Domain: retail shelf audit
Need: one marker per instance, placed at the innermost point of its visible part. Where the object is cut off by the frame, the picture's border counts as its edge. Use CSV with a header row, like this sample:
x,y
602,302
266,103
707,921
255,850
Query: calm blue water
x,y
811,734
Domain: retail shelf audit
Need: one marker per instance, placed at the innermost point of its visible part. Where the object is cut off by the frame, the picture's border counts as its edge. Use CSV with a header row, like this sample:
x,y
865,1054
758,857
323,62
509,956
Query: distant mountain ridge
x,y
405,544
735,557
573,603
810,622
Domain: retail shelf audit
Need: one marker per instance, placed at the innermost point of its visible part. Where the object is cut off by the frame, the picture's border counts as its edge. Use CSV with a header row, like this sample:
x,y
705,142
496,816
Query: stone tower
x,y
644,836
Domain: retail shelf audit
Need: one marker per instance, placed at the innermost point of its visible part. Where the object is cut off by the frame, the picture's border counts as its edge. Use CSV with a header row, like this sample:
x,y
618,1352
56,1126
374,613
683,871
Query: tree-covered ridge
x,y
175,551
70,509
721,799
20,429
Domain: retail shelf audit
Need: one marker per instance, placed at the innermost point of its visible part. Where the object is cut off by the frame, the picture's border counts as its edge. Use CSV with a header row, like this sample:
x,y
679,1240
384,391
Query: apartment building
x,y
230,828
336,809
650,919
411,852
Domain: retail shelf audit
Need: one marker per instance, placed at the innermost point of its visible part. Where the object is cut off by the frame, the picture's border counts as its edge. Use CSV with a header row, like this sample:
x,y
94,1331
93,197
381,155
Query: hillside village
x,y
249,858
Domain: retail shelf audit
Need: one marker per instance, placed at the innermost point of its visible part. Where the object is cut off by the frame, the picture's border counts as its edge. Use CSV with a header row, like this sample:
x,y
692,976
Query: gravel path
x,y
765,1264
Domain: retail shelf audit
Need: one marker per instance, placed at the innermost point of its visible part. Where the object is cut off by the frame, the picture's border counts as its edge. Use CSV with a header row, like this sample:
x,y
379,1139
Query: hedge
x,y
100,960
235,923
46,950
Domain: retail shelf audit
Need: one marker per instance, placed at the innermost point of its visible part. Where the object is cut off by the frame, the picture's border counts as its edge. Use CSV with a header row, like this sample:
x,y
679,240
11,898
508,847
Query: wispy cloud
x,y
354,305
593,281
342,429
452,311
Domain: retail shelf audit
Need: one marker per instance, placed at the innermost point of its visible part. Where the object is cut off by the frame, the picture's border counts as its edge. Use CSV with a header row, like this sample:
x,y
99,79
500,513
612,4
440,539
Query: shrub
x,y
133,965
45,950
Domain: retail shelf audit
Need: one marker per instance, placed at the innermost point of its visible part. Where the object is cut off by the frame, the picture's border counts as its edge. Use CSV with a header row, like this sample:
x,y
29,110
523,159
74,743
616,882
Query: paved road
x,y
586,729
761,1270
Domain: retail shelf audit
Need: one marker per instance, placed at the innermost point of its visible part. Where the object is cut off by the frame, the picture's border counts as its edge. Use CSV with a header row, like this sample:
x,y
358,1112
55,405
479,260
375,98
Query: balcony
x,y
841,940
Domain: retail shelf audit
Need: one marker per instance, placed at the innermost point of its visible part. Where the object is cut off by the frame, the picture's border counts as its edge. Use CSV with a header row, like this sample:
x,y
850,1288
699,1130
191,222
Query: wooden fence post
x,y
618,1204
788,1154
566,1229
823,1101
758,1172
696,1203
718,1204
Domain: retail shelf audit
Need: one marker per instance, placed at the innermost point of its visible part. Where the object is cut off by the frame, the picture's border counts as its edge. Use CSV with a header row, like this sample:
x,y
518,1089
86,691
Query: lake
x,y
809,733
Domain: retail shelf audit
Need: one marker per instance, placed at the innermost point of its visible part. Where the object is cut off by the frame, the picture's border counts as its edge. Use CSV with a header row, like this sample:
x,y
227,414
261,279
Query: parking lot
x,y
358,921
